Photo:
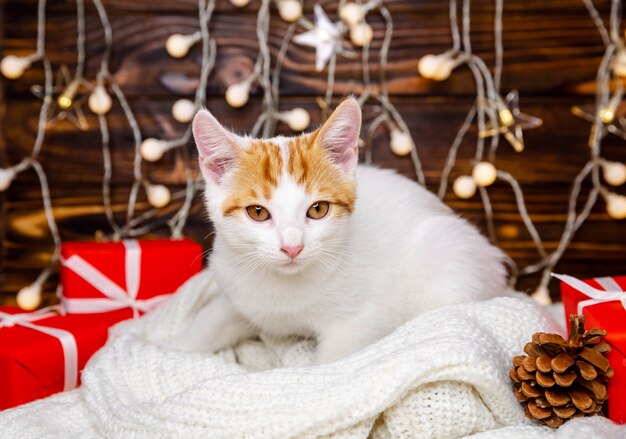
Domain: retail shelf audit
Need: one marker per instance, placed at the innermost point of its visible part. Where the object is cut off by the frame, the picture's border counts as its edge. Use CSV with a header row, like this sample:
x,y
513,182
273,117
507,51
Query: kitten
x,y
308,243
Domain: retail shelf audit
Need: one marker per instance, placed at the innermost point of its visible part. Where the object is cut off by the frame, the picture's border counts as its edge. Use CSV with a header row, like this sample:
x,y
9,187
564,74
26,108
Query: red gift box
x,y
106,276
42,353
603,303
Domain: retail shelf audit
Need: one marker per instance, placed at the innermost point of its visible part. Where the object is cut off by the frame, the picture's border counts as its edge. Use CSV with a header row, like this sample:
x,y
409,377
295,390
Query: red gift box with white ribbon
x,y
602,301
43,352
135,275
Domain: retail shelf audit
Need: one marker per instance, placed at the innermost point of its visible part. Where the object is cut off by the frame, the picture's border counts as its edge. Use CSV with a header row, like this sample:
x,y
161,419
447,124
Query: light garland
x,y
237,95
401,143
496,116
289,10
184,110
6,177
13,66
99,101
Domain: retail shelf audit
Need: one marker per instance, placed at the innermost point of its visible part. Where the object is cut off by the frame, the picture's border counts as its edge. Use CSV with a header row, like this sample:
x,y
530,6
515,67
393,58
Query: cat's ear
x,y
217,147
339,136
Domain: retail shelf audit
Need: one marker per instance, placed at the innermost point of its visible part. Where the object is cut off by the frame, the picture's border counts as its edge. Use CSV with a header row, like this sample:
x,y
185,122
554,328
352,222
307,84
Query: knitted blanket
x,y
443,374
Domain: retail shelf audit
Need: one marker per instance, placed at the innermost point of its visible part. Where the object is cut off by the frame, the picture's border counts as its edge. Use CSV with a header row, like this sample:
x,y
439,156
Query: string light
x,y
13,66
620,64
614,173
607,114
99,100
183,110
152,149
464,187
437,67
484,174
361,34
298,119
352,13
494,116
178,45
237,95
6,177
239,3
400,142
506,117
29,297
616,206
289,10
66,99
158,195
542,296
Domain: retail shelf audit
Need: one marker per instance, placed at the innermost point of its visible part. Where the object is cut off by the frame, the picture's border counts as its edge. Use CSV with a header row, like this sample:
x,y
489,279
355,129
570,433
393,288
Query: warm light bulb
x,y
14,66
289,10
324,35
437,67
158,195
6,177
506,117
237,94
464,187
484,173
29,297
239,3
99,101
178,45
298,119
66,99
616,206
614,173
427,65
361,34
607,114
152,149
542,296
620,64
401,143
64,102
446,65
352,13
183,110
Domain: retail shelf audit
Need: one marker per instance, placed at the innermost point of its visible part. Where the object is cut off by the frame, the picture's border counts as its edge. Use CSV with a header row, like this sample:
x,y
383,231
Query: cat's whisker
x,y
233,260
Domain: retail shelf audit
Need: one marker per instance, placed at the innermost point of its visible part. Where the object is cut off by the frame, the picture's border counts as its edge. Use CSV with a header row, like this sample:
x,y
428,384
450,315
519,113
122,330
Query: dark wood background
x,y
552,51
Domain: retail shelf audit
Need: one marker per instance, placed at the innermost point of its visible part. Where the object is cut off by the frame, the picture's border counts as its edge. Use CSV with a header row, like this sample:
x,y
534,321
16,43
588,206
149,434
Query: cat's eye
x,y
258,213
318,210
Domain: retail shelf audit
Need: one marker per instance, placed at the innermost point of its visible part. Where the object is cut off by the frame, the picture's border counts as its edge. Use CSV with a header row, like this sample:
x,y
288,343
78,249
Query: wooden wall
x,y
552,51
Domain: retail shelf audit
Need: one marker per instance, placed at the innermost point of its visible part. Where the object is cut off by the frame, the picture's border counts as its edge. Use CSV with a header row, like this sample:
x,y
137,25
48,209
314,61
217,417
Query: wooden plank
x,y
559,145
545,172
550,48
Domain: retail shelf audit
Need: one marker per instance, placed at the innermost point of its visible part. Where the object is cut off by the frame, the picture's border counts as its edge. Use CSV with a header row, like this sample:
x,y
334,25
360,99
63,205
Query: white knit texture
x,y
442,375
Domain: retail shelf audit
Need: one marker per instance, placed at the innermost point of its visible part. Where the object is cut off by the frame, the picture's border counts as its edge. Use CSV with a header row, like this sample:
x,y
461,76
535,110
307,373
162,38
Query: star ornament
x,y
511,122
68,95
612,120
325,37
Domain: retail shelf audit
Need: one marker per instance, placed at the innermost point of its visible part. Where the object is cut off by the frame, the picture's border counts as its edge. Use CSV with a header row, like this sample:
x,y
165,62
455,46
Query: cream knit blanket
x,y
442,375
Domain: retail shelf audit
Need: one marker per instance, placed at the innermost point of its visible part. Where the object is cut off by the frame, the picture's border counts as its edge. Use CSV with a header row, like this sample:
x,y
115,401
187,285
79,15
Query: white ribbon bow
x,y
116,296
68,342
612,293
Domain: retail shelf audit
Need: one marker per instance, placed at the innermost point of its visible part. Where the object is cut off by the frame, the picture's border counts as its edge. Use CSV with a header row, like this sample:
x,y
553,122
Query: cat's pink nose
x,y
292,251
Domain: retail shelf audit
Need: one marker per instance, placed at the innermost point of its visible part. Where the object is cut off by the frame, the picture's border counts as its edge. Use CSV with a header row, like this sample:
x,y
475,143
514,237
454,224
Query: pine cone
x,y
560,379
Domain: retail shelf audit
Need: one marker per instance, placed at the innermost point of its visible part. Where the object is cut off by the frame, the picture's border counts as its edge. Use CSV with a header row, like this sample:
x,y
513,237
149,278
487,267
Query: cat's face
x,y
283,203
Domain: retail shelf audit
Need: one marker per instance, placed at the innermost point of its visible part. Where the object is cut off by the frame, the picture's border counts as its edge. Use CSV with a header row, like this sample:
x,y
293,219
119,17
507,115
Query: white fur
x,y
400,253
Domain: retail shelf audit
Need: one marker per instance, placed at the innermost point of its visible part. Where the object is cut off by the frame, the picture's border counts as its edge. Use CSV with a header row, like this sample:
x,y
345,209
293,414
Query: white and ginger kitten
x,y
308,243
